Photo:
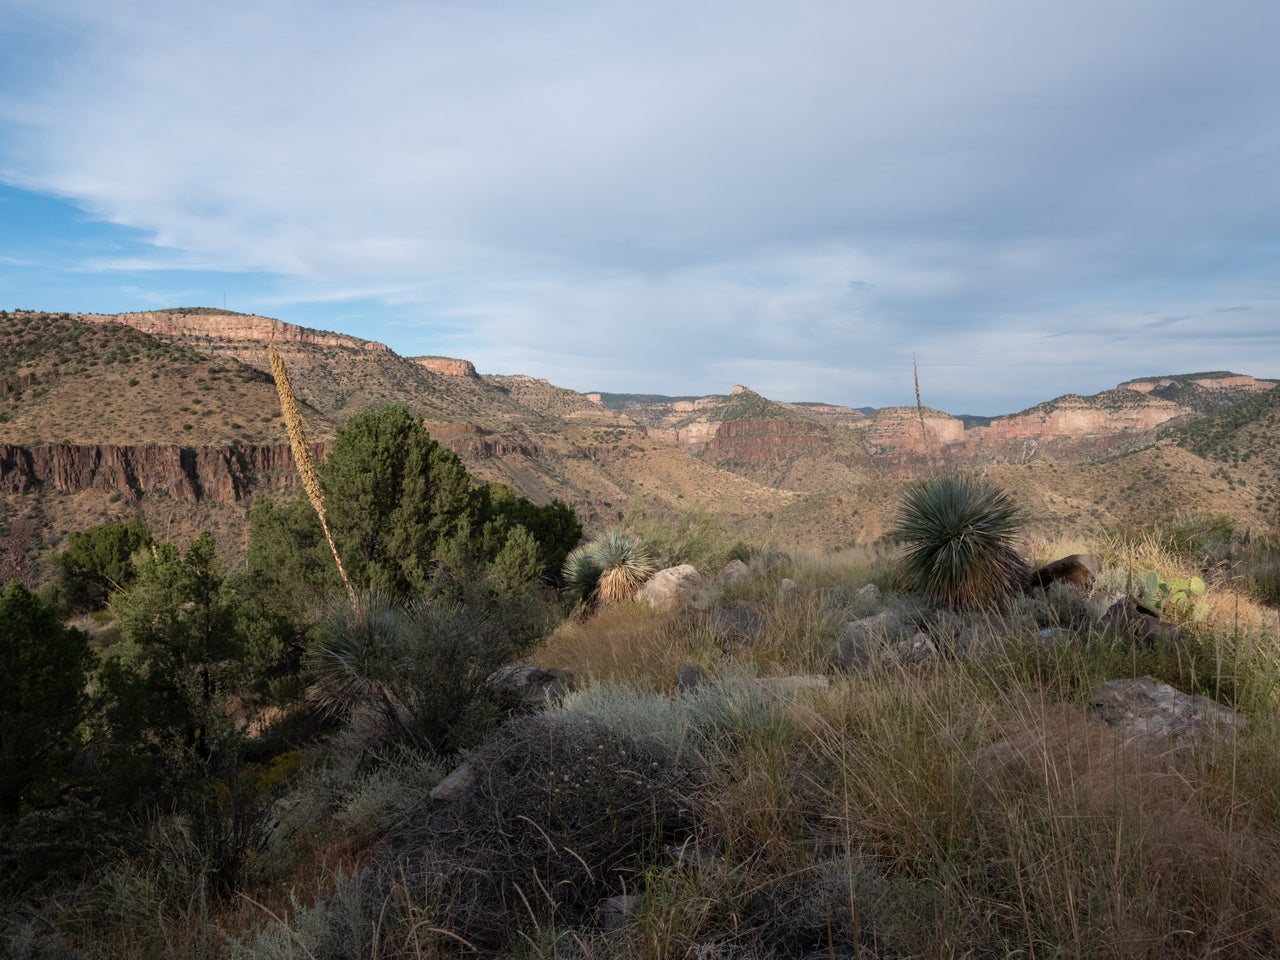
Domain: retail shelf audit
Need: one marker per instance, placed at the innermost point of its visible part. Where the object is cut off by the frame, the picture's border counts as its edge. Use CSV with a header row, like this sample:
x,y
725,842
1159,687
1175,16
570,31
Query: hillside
x,y
173,416
1244,442
64,381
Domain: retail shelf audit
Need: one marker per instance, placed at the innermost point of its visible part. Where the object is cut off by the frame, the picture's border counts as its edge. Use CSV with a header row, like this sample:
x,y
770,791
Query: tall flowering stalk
x,y
302,456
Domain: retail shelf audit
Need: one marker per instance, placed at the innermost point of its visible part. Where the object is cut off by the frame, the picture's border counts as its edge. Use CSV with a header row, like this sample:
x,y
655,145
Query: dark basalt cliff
x,y
223,474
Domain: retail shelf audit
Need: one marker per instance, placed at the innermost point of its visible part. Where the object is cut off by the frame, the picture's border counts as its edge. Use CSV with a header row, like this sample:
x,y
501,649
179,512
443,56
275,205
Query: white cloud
x,y
653,194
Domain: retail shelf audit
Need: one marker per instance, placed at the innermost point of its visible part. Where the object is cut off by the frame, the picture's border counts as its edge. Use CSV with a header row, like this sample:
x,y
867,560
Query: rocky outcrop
x,y
9,384
694,437
763,441
469,441
1235,382
1075,418
1145,709
897,430
187,474
447,366
230,326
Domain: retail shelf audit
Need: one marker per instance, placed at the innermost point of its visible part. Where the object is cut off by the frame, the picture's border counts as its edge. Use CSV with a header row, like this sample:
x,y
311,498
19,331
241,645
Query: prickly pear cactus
x,y
1178,595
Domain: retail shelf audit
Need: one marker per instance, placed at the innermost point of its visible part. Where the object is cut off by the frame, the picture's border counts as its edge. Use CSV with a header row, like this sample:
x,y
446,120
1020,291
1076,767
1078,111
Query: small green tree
x,y
554,526
182,660
42,692
395,499
99,561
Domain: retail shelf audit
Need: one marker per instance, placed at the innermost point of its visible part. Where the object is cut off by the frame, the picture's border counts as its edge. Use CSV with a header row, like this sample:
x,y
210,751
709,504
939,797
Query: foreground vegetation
x,y
250,766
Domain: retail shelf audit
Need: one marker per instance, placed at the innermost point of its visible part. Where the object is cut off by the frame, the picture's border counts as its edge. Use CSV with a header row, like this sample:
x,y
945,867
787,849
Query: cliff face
x,y
762,441
228,326
900,432
1076,421
1251,384
185,474
470,442
447,366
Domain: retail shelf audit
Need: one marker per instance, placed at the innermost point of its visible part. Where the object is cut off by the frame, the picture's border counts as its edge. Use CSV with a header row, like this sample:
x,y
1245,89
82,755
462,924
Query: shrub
x,y
959,532
609,569
563,812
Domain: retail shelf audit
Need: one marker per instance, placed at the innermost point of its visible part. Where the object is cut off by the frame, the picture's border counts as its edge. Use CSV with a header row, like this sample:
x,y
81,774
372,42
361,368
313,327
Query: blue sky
x,y
1035,198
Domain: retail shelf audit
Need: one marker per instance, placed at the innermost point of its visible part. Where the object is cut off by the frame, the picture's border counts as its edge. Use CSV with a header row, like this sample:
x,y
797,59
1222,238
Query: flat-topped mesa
x,y
447,366
230,326
1234,382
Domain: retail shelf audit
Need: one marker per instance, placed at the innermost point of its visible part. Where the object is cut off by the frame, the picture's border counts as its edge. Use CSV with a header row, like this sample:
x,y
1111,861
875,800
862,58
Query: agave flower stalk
x,y
302,457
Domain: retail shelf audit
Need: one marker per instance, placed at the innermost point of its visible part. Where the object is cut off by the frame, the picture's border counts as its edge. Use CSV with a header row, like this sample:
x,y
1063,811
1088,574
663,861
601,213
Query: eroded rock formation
x,y
230,326
224,474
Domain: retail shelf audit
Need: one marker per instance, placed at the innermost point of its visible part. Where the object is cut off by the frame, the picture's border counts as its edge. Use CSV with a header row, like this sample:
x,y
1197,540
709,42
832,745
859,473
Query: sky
x,y
1032,198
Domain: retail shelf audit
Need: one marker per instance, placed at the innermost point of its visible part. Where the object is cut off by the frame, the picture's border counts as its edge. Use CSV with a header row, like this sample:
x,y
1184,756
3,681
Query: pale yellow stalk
x,y
302,456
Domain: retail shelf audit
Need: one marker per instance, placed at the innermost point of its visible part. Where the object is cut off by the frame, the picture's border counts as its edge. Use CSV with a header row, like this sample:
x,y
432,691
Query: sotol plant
x,y
959,531
609,569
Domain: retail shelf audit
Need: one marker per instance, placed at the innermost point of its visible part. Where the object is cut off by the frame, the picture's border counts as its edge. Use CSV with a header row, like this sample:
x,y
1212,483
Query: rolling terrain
x,y
172,416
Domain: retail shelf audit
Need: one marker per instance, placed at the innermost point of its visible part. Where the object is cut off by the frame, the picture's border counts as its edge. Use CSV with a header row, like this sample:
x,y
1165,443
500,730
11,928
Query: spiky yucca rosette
x,y
302,456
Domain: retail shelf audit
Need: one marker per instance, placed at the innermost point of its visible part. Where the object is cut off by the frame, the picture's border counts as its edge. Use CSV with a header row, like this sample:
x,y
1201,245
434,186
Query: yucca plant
x,y
357,655
609,569
959,531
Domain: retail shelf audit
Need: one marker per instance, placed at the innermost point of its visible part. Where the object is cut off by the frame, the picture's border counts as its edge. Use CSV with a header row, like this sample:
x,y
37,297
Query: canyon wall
x,y
225,474
230,326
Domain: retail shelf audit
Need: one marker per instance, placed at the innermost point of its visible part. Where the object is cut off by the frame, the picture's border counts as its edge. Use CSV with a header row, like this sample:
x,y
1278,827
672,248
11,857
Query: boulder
x,y
775,561
1144,708
1079,570
455,784
617,912
914,650
735,621
1128,618
689,678
735,574
671,588
526,687
859,638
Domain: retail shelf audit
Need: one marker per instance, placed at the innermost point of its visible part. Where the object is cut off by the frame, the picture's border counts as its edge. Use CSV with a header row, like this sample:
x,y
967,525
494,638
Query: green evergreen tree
x,y
42,693
99,561
396,498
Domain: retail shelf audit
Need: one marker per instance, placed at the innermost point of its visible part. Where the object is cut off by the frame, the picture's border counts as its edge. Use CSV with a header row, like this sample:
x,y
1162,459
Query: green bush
x,y
959,533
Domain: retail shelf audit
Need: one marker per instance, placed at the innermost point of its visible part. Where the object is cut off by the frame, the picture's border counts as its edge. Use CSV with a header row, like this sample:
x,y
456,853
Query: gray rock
x,y
868,594
616,912
735,621
526,687
860,639
689,678
672,588
735,574
1144,708
455,784
914,650
1128,618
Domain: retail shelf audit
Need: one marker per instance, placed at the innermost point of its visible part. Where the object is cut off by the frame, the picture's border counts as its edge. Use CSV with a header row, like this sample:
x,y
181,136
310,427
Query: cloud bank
x,y
673,197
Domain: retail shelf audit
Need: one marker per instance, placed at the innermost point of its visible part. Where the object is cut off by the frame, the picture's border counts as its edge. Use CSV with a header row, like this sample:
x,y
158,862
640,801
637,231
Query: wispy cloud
x,y
649,196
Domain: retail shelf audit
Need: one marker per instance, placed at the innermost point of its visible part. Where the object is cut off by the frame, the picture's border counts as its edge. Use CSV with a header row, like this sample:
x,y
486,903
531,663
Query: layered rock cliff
x,y
446,366
761,441
225,474
231,326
